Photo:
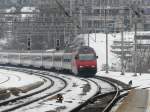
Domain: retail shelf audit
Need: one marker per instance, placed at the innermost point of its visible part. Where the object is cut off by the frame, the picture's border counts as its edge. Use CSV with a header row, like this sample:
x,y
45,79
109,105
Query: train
x,y
79,61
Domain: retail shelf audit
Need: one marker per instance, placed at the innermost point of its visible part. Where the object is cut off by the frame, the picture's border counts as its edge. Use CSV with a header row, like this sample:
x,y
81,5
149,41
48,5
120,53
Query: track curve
x,y
34,96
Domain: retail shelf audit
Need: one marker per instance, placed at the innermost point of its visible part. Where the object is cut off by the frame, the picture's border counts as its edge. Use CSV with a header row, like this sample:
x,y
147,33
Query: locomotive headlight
x,y
81,66
93,66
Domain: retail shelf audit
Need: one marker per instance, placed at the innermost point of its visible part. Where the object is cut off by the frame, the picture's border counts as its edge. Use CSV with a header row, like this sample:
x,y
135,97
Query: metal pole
x,y
81,23
95,35
70,7
88,40
122,52
81,19
122,43
106,52
135,55
107,67
140,63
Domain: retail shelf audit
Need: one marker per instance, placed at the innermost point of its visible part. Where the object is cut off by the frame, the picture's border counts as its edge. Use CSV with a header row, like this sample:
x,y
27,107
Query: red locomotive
x,y
84,62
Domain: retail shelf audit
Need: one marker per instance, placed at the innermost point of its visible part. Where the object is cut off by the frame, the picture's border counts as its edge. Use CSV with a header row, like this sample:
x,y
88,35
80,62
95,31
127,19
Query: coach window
x,y
67,58
37,57
47,58
57,58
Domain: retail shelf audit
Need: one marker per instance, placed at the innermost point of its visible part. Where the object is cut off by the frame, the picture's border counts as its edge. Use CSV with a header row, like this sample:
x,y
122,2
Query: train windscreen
x,y
86,57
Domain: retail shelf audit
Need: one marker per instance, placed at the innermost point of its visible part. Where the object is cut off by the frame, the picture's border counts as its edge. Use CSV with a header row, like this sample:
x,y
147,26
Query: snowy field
x,y
139,81
10,79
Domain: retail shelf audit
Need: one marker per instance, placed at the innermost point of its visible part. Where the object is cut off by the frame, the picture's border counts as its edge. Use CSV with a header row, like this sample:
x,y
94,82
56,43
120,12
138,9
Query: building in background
x,y
55,23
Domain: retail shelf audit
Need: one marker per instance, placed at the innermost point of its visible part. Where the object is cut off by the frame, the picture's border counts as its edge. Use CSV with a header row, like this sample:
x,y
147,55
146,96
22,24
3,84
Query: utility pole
x,y
122,42
135,50
122,51
106,32
70,7
88,39
81,25
137,16
95,35
107,52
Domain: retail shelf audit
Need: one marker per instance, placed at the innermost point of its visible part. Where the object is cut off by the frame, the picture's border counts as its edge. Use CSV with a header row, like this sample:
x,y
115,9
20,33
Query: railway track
x,y
101,101
86,87
104,101
36,95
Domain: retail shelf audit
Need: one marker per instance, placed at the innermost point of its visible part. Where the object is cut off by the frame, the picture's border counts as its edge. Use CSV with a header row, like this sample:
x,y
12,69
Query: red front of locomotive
x,y
86,61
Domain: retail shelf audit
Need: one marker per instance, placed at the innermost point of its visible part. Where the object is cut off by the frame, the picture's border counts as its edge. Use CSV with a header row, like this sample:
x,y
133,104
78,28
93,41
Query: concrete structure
x,y
136,101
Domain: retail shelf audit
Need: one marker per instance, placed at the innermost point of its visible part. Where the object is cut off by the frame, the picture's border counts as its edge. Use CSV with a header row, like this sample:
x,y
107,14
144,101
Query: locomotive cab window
x,y
87,56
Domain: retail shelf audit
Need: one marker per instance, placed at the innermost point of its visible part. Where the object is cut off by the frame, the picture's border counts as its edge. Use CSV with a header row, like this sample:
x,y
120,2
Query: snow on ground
x,y
16,79
140,81
74,94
